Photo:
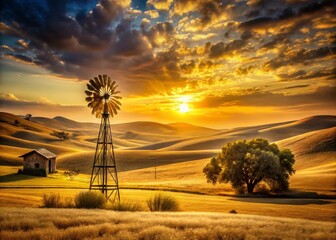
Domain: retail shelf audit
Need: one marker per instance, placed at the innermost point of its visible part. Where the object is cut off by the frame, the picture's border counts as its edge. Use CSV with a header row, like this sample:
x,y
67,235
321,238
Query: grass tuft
x,y
162,202
127,207
90,199
52,200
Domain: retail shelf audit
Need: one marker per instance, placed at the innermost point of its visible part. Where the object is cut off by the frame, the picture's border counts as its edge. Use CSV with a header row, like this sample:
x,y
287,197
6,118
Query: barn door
x,y
50,166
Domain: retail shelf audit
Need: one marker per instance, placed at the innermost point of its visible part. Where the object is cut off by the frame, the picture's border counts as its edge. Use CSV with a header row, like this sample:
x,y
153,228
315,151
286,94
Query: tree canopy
x,y
61,135
245,164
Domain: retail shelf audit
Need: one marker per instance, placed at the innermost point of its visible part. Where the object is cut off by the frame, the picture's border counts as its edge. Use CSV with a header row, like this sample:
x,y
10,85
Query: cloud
x,y
188,66
300,55
291,14
160,33
326,73
152,13
322,96
10,96
21,57
172,43
160,4
221,49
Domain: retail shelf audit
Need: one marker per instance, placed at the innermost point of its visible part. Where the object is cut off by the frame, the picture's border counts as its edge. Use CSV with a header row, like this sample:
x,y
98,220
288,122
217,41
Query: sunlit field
x,y
150,163
75,224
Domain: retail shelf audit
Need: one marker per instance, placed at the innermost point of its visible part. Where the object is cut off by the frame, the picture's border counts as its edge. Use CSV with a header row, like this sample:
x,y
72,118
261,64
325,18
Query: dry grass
x,y
313,209
104,224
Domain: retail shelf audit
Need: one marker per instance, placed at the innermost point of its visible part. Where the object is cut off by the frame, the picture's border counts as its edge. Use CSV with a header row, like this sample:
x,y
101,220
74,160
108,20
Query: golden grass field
x,y
75,224
179,151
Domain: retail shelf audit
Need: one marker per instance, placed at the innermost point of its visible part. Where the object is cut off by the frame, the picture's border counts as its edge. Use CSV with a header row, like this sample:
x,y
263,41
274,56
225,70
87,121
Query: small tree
x,y
16,122
245,164
61,135
28,116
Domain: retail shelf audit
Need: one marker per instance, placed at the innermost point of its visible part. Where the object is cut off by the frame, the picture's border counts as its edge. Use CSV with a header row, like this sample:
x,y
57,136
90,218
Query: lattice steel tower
x,y
103,99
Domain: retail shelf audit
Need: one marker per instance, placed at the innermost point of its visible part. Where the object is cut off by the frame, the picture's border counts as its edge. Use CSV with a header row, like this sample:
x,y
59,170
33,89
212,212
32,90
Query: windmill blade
x,y
90,104
98,83
110,110
116,97
109,79
113,83
89,93
117,92
94,85
114,110
88,99
114,86
100,77
115,106
90,87
115,101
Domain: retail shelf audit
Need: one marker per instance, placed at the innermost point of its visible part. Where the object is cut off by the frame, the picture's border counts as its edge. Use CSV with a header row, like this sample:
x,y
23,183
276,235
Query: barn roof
x,y
43,152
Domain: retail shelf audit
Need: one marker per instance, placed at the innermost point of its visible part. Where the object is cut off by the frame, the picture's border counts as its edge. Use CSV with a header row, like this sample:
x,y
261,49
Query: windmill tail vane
x,y
103,99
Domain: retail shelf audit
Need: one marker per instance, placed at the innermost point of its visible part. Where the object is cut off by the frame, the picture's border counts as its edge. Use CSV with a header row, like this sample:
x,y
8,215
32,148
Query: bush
x,y
262,189
90,199
162,202
35,172
68,202
233,211
127,207
52,200
20,171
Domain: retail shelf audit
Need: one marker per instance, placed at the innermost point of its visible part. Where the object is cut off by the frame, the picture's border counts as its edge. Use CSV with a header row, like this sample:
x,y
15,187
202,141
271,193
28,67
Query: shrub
x,y
262,189
52,200
233,211
127,207
20,171
90,199
162,202
68,202
35,172
61,135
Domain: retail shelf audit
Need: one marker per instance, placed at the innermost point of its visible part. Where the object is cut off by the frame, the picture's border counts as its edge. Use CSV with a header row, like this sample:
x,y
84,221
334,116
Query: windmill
x,y
103,98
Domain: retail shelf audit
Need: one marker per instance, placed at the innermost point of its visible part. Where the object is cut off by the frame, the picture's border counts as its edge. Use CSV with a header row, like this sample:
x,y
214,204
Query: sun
x,y
184,108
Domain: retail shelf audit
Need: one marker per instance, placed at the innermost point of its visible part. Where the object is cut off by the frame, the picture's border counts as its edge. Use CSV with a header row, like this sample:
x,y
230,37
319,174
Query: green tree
x,y
245,164
28,116
61,135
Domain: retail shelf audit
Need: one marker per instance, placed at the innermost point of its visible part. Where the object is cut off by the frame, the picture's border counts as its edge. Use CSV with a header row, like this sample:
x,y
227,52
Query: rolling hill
x,y
179,150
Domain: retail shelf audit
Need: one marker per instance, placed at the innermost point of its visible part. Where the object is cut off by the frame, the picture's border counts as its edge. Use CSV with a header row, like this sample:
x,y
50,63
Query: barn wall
x,y
33,158
53,164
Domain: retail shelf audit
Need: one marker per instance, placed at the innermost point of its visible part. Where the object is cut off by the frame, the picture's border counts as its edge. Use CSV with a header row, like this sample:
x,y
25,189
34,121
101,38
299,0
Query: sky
x,y
214,63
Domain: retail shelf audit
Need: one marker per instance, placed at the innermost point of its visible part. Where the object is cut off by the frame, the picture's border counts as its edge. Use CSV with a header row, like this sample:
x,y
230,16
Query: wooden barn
x,y
39,159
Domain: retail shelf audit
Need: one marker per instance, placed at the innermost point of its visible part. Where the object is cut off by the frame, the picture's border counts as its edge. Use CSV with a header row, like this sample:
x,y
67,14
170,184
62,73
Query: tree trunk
x,y
250,188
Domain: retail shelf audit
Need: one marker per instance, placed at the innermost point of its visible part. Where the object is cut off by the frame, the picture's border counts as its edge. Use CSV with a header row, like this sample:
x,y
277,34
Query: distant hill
x,y
142,145
298,127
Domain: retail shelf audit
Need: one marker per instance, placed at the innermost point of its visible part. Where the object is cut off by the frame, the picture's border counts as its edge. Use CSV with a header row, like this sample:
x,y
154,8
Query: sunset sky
x,y
215,63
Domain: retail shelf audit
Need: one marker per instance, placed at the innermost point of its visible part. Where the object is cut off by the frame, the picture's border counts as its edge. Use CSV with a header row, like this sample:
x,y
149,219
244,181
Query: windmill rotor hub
x,y
106,96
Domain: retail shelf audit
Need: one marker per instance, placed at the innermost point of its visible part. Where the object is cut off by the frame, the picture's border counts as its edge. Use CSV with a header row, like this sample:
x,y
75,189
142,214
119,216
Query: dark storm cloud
x,y
22,58
264,99
327,73
299,56
162,31
79,39
290,14
296,86
221,49
188,67
244,70
100,38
